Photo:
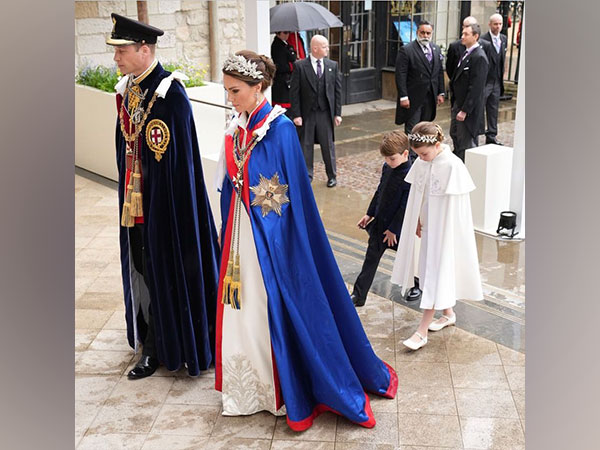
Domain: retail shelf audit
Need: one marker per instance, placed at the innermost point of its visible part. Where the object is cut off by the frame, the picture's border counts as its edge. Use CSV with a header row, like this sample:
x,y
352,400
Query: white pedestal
x,y
490,167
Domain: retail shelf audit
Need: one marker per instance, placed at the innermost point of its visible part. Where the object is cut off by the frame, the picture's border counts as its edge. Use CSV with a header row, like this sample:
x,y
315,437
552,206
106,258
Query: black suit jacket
x,y
415,76
455,51
303,88
495,59
282,54
389,201
468,84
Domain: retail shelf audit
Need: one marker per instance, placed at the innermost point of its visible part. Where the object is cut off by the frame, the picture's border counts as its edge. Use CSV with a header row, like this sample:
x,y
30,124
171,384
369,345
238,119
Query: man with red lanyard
x,y
169,249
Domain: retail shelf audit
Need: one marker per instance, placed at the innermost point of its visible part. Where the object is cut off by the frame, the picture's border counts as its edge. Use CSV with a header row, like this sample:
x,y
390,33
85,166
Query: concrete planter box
x,y
96,118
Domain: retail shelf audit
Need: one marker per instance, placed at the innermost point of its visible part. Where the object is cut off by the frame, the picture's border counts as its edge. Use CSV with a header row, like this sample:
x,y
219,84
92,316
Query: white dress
x,y
448,263
249,382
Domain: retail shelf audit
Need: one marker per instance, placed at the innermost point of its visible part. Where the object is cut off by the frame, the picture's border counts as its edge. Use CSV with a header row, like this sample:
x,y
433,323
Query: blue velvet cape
x,y
323,357
180,239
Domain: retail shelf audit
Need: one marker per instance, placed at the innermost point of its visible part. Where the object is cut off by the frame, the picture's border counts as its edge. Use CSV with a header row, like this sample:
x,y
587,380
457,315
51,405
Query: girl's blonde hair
x,y
425,133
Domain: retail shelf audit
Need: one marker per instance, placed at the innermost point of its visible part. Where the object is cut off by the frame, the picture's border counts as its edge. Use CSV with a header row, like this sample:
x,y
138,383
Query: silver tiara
x,y
238,63
429,138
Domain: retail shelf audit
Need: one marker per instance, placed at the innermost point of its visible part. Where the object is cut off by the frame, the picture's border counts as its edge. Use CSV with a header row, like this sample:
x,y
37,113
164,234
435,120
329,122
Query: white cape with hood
x,y
448,263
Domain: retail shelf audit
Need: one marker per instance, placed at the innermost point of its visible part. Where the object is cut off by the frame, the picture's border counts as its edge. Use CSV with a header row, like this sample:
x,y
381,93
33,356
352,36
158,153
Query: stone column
x,y
257,26
258,38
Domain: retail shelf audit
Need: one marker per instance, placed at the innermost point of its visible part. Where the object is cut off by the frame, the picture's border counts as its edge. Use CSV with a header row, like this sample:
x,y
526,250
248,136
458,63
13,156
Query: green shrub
x,y
105,78
99,77
195,72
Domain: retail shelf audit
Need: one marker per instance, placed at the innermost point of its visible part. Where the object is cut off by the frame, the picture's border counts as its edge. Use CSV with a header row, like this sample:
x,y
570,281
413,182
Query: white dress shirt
x,y
313,62
496,37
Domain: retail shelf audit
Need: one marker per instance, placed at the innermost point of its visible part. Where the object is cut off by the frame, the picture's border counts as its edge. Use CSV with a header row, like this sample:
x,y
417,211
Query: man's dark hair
x,y
475,29
425,22
139,45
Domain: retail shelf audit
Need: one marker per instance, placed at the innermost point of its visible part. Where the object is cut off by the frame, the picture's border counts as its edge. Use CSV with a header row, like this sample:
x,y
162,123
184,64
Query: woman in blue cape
x,y
288,338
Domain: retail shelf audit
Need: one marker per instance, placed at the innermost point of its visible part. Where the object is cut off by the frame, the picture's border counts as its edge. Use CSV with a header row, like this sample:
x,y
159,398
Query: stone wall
x,y
185,23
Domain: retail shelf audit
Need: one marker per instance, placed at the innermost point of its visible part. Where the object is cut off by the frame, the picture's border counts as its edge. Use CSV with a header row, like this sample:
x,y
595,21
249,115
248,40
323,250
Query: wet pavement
x,y
460,391
501,316
464,389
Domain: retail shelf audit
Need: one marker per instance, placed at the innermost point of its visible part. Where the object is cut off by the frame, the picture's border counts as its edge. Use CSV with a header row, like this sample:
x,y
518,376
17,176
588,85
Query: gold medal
x,y
270,195
157,137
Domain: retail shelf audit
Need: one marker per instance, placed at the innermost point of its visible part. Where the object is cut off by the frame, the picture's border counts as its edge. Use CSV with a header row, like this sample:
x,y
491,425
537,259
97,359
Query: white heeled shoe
x,y
437,325
416,345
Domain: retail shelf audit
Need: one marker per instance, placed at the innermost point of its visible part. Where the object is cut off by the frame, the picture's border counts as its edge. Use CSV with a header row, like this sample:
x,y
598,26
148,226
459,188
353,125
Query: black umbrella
x,y
300,16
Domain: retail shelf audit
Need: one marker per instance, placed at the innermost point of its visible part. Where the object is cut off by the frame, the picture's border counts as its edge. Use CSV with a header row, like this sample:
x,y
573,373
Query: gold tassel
x,y
236,285
227,282
127,220
137,177
137,209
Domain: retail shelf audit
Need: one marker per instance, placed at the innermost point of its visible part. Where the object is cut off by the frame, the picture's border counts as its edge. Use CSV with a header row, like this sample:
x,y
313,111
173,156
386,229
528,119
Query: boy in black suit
x,y
385,214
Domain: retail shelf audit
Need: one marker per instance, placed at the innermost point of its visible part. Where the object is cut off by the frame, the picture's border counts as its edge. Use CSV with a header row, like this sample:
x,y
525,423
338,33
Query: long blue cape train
x,y
323,357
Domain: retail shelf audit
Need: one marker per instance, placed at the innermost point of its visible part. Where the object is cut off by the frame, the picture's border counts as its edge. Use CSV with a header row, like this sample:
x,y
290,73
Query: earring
x,y
256,96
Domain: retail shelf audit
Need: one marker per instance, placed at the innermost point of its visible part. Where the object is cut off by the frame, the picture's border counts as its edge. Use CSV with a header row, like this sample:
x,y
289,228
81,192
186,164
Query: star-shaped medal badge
x,y
270,195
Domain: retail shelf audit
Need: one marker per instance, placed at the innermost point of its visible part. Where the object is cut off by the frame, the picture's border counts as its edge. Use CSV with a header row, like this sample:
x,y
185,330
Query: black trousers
x,y
462,138
317,125
375,250
491,93
423,112
136,241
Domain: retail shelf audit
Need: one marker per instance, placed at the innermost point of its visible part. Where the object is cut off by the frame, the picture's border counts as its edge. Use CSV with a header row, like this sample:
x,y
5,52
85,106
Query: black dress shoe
x,y
493,141
331,182
413,294
145,367
357,301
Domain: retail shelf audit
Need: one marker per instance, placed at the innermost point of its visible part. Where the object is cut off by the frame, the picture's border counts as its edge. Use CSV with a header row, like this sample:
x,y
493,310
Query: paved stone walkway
x,y
459,391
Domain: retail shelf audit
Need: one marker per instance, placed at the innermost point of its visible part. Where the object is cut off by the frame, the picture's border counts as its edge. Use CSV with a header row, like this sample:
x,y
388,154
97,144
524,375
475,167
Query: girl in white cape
x,y
439,209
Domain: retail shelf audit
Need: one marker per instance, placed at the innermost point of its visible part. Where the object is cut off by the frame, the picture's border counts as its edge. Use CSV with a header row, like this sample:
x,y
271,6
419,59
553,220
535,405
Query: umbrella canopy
x,y
300,16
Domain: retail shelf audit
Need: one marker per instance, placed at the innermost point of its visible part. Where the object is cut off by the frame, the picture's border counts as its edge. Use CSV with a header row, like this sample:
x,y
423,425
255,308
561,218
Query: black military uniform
x,y
283,55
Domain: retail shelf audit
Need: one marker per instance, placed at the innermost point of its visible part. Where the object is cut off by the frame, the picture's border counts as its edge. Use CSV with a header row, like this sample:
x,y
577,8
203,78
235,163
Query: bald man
x,y
494,85
316,97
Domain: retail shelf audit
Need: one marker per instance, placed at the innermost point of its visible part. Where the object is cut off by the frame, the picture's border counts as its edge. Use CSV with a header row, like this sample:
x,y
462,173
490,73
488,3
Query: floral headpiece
x,y
238,63
418,137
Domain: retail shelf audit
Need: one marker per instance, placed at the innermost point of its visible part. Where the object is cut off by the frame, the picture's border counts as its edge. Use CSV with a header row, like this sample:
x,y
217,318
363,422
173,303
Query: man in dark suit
x,y
468,83
455,50
316,97
494,85
419,80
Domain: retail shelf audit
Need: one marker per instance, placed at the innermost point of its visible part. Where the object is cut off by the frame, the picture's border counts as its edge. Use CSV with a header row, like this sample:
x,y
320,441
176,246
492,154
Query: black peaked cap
x,y
128,31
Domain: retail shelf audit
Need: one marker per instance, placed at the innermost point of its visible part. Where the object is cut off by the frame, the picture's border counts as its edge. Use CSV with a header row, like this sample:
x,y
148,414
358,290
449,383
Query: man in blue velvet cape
x,y
169,250
323,358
